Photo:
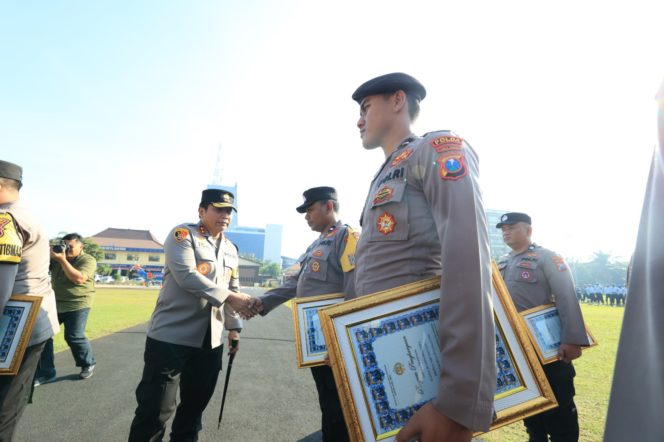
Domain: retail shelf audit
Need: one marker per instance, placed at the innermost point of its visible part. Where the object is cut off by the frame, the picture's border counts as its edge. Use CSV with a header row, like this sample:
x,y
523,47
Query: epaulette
x,y
11,243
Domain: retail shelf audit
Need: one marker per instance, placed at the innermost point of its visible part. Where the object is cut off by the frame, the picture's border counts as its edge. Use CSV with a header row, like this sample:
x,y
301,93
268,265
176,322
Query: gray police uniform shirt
x,y
27,273
199,274
539,276
423,218
326,267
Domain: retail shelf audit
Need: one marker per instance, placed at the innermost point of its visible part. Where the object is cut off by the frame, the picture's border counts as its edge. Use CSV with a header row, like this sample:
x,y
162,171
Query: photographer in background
x,y
72,277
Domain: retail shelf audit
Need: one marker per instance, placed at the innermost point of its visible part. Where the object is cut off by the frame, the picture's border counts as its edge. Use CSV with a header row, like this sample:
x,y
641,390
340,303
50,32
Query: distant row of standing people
x,y
612,294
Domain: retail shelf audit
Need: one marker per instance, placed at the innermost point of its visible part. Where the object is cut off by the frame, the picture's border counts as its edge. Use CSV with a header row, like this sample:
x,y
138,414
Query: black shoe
x,y
87,372
40,380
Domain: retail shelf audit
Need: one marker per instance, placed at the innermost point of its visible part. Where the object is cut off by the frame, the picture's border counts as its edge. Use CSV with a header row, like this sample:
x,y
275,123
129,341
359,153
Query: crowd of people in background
x,y
612,294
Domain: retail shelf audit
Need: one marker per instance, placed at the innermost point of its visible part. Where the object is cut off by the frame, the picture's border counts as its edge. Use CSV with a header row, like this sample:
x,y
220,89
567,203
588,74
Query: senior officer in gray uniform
x,y
535,276
184,344
24,261
424,217
326,267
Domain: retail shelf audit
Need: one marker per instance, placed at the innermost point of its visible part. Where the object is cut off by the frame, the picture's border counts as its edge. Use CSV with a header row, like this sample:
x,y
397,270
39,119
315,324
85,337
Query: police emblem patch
x,y
317,253
3,223
446,142
559,262
384,194
180,234
204,268
402,156
386,223
315,266
452,166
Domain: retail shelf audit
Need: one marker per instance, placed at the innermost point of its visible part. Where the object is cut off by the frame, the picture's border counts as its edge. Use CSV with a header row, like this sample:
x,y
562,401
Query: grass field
x,y
594,372
115,309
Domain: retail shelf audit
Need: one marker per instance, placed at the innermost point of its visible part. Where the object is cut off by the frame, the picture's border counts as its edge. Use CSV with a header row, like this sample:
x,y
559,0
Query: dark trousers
x,y
75,323
333,424
15,391
167,367
561,423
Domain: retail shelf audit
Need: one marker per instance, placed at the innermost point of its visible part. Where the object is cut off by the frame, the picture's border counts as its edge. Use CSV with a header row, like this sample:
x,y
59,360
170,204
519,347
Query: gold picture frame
x,y
16,323
310,345
542,324
353,329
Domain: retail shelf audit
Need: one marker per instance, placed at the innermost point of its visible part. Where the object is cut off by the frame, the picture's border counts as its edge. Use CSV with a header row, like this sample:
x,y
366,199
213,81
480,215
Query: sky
x,y
116,109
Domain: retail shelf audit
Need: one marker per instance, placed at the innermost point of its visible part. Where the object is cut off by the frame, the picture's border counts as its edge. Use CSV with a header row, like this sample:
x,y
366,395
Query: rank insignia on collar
x,y
386,223
333,231
180,234
452,166
202,229
383,194
402,156
315,266
446,142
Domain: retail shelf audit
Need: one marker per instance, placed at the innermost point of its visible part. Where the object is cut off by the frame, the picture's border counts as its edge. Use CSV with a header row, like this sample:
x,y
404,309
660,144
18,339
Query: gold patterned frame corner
x,y
26,332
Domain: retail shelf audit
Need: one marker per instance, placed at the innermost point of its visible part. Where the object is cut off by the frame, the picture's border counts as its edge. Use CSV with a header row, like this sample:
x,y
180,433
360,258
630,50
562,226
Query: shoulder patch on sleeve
x,y
11,244
180,234
347,259
559,261
452,166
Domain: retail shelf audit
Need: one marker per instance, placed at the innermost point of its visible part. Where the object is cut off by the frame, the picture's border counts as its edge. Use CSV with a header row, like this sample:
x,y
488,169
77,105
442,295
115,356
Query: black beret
x,y
314,194
11,171
218,198
390,83
513,218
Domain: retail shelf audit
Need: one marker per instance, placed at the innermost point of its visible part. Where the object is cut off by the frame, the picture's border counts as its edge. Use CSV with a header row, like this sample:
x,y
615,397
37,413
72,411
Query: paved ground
x,y
269,398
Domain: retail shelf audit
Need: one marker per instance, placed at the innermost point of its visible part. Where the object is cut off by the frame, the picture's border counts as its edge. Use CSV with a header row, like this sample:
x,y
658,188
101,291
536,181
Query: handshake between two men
x,y
245,305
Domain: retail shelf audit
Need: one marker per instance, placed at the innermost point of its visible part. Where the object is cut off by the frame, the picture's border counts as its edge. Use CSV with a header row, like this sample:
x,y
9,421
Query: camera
x,y
59,247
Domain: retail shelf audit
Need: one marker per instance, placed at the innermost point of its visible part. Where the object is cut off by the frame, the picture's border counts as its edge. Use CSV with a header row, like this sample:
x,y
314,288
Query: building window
x,y
110,256
154,258
131,257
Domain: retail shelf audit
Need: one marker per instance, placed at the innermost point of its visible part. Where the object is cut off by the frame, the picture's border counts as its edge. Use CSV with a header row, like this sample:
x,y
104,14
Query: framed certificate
x,y
309,340
386,359
16,323
544,330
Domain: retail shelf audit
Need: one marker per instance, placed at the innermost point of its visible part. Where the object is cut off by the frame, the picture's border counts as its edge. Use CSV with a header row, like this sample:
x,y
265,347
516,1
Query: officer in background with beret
x,y
200,296
536,276
24,261
424,217
326,267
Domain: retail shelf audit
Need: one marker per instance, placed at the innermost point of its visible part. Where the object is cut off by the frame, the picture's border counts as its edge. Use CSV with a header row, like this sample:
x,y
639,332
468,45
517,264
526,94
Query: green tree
x,y
269,268
92,248
104,269
601,269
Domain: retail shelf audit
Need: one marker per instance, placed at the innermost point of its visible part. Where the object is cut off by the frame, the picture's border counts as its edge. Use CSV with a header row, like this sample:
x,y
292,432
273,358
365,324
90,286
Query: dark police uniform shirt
x,y
200,273
424,217
539,276
326,267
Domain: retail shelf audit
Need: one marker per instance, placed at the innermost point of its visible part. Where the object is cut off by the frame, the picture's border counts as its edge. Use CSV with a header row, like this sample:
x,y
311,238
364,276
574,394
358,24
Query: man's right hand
x,y
241,303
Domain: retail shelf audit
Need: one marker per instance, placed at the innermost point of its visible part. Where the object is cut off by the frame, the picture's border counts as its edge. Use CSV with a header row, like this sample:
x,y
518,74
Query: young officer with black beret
x,y
424,217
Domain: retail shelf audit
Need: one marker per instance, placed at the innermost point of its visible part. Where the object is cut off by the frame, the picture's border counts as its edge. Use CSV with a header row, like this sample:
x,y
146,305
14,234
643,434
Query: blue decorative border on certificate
x,y
313,328
507,376
372,376
13,316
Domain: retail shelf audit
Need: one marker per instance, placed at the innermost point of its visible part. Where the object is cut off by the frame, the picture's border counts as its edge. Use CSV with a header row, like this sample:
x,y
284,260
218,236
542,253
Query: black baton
x,y
234,344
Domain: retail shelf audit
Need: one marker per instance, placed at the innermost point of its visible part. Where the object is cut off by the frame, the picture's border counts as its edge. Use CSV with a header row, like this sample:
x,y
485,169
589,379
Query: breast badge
x,y
384,194
402,156
317,253
452,166
386,223
315,266
204,268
